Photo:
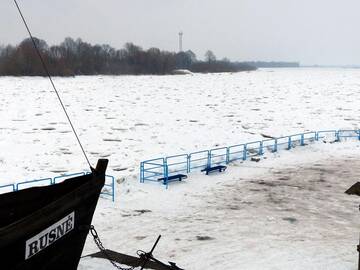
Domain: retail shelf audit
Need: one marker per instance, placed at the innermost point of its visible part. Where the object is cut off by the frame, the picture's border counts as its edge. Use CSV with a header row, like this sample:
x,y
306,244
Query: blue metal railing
x,y
218,156
254,149
34,183
326,134
344,133
178,164
309,137
108,190
7,188
198,160
155,169
61,178
283,143
237,152
105,191
270,145
152,169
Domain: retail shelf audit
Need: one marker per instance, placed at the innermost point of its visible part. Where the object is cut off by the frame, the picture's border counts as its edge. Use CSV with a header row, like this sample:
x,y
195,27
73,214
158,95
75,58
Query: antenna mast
x,y
180,41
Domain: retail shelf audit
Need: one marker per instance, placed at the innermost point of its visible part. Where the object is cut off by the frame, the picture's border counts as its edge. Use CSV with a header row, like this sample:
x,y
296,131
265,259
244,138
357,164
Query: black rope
x,y
52,83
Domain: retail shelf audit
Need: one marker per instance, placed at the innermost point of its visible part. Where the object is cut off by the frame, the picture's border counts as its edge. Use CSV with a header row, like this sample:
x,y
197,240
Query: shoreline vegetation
x,y
76,57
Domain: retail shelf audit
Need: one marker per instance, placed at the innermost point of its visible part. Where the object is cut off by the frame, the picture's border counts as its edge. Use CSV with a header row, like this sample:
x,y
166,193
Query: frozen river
x,y
133,118
285,212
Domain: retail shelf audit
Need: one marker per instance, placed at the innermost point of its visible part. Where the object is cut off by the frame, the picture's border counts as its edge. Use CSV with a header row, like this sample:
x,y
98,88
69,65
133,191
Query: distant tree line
x,y
211,64
76,57
262,64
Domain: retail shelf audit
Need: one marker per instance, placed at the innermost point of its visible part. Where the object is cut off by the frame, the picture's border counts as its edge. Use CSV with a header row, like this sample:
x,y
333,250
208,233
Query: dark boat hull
x,y
46,227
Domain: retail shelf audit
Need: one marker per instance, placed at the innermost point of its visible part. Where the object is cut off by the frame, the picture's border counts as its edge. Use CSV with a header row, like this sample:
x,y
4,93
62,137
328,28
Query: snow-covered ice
x,y
288,211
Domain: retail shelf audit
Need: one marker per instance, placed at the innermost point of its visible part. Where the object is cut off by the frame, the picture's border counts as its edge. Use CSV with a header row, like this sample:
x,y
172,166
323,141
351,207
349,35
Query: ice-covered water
x,y
285,212
130,118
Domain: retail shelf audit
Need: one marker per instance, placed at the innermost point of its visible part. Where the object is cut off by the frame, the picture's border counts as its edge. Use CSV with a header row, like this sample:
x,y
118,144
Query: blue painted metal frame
x,y
254,149
356,133
239,154
208,158
112,186
185,163
309,137
295,139
154,171
52,181
284,140
66,176
272,147
216,158
319,133
205,158
7,186
34,181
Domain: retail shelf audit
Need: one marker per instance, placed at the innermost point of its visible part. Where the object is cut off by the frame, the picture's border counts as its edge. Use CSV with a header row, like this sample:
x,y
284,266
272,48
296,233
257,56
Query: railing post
x,y
209,159
359,134
275,145
187,163
316,136
113,189
9,185
166,172
302,140
337,135
261,150
244,152
289,143
227,155
142,172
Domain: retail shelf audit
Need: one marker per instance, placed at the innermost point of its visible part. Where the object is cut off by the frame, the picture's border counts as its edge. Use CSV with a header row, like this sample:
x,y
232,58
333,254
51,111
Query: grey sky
x,y
309,31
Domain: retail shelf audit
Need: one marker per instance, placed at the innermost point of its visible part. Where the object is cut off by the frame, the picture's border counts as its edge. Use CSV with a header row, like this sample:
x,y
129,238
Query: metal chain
x,y
103,250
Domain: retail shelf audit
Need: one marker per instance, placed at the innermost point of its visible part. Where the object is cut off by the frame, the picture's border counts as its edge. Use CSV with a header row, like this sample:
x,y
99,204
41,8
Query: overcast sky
x,y
309,31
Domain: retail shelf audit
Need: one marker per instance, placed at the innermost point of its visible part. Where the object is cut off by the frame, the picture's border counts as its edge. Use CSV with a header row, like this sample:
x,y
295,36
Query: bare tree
x,y
210,56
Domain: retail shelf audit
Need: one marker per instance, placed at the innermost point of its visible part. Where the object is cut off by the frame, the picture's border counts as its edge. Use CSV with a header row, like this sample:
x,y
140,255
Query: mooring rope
x,y
51,81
